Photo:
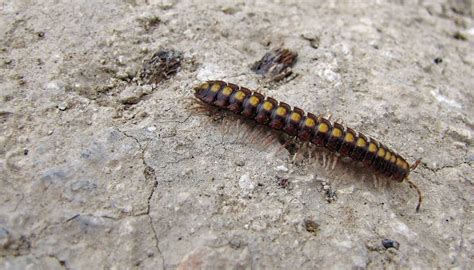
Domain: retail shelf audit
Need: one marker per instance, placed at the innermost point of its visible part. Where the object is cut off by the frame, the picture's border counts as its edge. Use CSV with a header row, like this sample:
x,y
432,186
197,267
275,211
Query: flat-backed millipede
x,y
308,128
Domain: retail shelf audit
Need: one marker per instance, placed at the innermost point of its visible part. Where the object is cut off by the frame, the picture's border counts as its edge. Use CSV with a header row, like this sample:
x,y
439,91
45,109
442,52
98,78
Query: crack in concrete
x,y
435,170
149,174
63,263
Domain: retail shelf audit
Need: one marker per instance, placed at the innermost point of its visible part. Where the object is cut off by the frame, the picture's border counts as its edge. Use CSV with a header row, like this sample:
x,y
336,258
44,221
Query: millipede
x,y
308,128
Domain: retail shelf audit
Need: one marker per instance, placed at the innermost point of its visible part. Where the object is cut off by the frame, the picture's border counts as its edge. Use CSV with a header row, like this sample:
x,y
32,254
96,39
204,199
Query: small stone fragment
x,y
149,23
460,134
459,36
131,95
230,10
282,168
62,106
246,183
283,182
311,226
4,237
313,40
240,162
388,243
331,195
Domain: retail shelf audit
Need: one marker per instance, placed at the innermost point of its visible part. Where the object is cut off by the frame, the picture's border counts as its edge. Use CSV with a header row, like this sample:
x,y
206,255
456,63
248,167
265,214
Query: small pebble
x,y
388,243
311,226
470,158
240,162
246,183
62,106
283,182
235,243
4,237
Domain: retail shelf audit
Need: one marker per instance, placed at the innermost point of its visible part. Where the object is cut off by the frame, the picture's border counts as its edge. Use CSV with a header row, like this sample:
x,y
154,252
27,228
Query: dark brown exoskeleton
x,y
308,128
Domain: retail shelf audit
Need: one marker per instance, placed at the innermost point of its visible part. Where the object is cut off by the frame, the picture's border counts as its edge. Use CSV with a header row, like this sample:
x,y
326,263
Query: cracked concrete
x,y
99,171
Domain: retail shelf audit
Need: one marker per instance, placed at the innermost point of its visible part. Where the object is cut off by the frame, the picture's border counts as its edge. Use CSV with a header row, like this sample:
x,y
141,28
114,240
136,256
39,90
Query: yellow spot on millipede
x,y
381,152
336,133
227,91
295,117
361,142
280,111
323,128
399,162
393,159
254,101
405,165
373,147
267,106
239,95
309,122
215,87
349,137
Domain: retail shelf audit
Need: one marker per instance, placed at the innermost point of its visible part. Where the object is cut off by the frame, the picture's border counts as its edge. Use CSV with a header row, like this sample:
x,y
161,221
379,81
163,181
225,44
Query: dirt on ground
x,y
107,163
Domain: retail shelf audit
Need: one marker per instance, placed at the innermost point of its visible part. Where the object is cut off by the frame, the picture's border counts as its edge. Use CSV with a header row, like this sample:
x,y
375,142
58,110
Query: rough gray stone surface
x,y
99,170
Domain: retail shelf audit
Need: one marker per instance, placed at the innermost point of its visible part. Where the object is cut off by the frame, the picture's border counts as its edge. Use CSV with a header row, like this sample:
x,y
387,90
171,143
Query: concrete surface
x,y
101,170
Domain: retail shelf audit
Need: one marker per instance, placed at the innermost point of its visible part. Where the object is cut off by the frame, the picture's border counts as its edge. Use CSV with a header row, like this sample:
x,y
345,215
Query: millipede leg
x,y
269,139
329,116
293,158
254,134
309,153
339,120
336,158
247,131
283,146
376,181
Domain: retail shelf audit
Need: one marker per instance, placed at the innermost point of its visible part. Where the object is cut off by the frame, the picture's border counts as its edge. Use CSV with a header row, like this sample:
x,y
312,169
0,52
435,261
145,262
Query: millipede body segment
x,y
306,126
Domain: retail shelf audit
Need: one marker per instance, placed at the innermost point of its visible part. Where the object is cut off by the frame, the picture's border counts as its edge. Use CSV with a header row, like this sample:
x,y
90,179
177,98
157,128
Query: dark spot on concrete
x,y
459,36
311,226
438,60
161,66
314,41
283,182
388,243
276,64
149,23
